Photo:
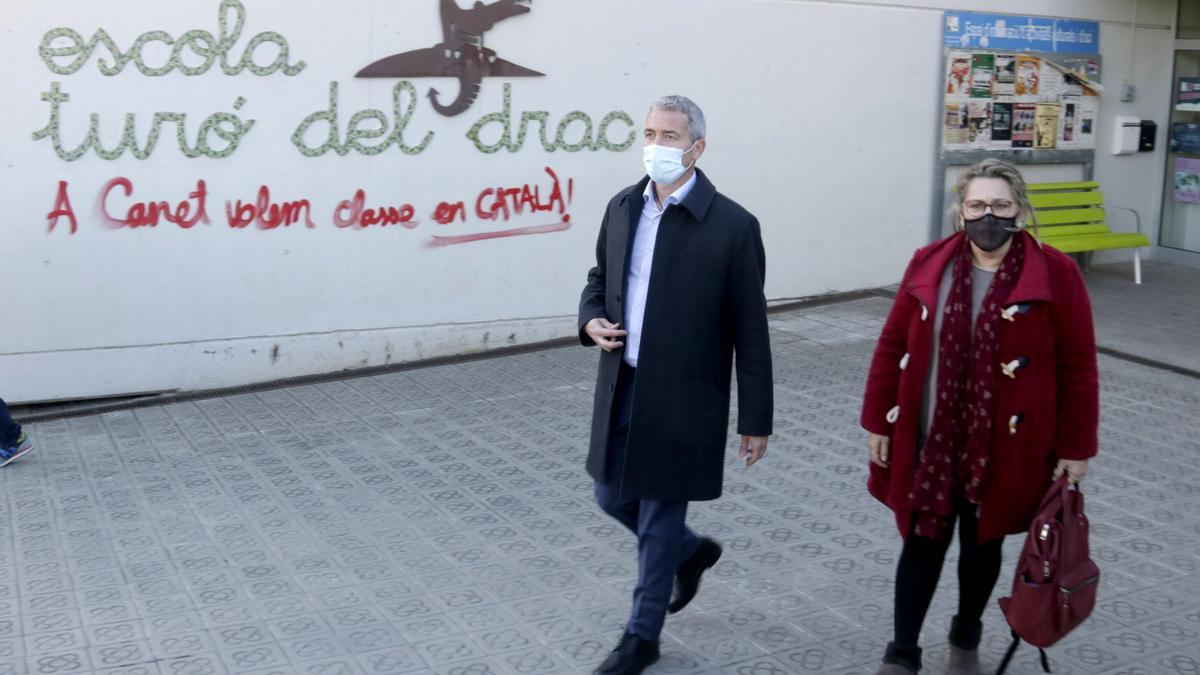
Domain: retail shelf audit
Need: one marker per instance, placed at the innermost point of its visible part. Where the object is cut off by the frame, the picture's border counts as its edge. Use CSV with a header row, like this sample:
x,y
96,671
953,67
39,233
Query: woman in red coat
x,y
982,389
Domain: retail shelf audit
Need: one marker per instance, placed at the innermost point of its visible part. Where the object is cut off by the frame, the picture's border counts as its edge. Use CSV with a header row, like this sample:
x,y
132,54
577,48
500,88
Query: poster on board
x,y
1006,75
983,71
958,75
1047,125
1089,67
1072,87
1087,109
1028,73
1187,97
954,133
1187,180
1069,125
979,124
1024,124
1185,138
1051,84
1002,120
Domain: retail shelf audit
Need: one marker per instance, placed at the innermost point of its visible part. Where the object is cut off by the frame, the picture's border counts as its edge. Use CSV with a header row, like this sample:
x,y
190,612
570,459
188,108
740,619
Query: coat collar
x,y
1034,282
931,261
676,197
696,202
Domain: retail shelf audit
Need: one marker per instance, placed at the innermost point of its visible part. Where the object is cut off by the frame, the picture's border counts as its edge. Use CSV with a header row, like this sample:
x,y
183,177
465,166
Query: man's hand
x,y
605,333
753,449
880,449
1076,469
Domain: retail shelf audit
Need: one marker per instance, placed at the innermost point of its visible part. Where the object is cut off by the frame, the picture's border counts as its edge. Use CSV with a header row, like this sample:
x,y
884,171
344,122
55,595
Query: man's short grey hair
x,y
687,106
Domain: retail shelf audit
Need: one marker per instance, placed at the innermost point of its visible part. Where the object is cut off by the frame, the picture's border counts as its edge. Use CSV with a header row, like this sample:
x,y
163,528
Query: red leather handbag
x,y
1055,586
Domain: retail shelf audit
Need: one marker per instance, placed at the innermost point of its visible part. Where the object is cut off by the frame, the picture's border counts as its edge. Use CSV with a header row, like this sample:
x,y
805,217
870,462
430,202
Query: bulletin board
x,y
1018,88
1031,102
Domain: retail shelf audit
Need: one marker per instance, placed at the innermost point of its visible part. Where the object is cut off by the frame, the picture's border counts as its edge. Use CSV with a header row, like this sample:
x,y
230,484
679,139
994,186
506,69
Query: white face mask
x,y
664,164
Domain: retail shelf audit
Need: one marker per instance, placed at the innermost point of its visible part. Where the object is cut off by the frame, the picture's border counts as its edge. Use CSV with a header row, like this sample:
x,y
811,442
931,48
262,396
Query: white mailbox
x,y
1127,130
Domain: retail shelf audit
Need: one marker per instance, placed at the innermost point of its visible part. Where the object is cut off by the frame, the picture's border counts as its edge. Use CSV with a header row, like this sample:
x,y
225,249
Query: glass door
x,y
1181,194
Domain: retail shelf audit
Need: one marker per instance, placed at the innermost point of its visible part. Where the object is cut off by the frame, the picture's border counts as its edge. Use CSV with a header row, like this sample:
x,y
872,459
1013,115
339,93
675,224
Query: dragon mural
x,y
461,54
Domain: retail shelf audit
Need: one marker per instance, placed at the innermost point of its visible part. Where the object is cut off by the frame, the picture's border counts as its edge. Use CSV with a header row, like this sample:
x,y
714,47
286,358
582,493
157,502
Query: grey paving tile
x,y
812,658
135,669
11,648
75,661
1179,662
1144,669
121,654
1119,307
586,653
254,657
195,664
181,643
438,521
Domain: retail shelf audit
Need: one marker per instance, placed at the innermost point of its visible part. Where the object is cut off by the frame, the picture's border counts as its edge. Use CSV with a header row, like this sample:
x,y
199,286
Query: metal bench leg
x,y
1137,266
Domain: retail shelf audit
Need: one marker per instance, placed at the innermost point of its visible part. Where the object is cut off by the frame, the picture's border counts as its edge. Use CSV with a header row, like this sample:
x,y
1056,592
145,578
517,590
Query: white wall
x,y
822,121
1136,181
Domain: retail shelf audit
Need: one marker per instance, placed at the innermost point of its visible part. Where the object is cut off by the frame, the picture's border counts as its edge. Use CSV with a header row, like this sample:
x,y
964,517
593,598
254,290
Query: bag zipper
x,y
1091,581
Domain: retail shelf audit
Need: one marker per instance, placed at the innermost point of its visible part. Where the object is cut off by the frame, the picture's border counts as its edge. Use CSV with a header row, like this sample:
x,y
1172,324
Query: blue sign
x,y
1010,33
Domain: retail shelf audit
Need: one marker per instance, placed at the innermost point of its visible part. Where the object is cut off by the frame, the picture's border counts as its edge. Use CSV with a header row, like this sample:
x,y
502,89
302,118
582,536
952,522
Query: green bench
x,y
1071,218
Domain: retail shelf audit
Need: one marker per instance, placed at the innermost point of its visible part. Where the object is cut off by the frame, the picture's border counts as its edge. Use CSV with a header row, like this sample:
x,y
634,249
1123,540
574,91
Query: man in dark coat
x,y
677,290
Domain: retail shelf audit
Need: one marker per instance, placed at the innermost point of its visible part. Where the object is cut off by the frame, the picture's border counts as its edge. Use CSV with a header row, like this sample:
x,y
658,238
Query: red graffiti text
x,y
350,213
492,210
186,213
447,213
501,203
267,215
62,209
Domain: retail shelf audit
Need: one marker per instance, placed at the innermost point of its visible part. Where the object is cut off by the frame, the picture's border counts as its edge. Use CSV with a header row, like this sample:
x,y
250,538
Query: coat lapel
x,y
629,212
700,198
1034,283
927,272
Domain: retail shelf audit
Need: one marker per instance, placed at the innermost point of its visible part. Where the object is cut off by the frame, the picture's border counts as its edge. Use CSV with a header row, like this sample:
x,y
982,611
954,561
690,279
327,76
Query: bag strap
x,y
1056,492
1074,542
1012,649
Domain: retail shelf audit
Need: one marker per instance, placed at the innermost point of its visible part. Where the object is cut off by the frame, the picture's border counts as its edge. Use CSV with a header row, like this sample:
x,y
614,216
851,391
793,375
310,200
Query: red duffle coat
x,y
1049,410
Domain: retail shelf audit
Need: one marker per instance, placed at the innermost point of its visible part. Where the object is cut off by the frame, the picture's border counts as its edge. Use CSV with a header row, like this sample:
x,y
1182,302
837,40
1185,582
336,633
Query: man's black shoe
x,y
687,577
631,656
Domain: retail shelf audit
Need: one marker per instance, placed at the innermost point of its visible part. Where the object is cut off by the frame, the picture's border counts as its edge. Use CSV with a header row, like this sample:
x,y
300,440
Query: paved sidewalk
x,y
1160,319
440,521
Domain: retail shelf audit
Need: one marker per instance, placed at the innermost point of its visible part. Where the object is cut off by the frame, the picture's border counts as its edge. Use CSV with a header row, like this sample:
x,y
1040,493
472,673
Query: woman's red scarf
x,y
953,461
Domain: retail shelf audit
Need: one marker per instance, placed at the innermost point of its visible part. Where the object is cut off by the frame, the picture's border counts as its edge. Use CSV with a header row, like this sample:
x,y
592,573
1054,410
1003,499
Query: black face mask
x,y
989,232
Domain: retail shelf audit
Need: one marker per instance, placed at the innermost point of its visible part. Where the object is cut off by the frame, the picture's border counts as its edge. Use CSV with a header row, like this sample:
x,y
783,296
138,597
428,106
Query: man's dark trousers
x,y
10,431
664,540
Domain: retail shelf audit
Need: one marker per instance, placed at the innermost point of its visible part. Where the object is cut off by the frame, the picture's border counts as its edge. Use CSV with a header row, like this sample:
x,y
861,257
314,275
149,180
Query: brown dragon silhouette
x,y
461,54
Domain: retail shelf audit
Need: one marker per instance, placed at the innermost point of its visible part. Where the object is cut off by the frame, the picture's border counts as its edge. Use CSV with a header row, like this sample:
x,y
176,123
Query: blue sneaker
x,y
10,455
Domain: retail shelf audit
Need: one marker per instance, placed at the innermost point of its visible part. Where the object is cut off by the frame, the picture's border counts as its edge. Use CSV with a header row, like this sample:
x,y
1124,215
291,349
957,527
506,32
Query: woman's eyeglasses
x,y
1002,208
